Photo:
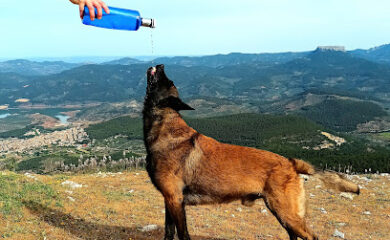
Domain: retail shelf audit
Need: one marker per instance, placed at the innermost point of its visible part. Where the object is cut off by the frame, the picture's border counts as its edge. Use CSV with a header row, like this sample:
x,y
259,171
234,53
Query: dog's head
x,y
161,92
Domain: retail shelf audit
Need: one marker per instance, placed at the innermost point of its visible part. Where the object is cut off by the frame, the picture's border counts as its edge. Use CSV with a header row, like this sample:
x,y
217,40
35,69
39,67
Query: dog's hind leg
x,y
169,225
291,234
288,206
294,224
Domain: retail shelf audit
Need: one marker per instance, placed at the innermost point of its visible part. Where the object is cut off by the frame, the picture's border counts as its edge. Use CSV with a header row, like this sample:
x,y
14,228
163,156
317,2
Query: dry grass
x,y
117,206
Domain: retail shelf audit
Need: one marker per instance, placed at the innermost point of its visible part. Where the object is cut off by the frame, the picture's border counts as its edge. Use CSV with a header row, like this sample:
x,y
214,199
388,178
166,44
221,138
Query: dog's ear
x,y
174,103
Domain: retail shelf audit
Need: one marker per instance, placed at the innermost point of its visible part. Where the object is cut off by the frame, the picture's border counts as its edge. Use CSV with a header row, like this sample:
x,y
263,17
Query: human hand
x,y
92,4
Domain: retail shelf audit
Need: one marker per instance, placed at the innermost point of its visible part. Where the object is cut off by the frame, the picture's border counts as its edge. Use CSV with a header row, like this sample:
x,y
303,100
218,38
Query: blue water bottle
x,y
122,19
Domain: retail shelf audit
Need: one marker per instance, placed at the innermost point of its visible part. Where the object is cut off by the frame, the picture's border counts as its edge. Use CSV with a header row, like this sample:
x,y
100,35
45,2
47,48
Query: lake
x,y
4,115
63,118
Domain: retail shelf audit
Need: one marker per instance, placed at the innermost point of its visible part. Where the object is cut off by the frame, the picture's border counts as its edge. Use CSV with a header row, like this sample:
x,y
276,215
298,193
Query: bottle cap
x,y
148,22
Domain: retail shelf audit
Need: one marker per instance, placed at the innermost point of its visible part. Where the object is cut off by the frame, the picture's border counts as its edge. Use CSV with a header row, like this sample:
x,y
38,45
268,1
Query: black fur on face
x,y
161,92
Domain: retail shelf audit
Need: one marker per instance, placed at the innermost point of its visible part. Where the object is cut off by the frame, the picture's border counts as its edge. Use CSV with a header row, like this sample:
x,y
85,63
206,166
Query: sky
x,y
52,28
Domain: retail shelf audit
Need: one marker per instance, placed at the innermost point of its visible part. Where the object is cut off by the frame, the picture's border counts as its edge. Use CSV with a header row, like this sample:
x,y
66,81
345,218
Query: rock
x,y
150,227
312,195
323,211
338,234
71,184
367,213
239,209
71,199
346,195
29,175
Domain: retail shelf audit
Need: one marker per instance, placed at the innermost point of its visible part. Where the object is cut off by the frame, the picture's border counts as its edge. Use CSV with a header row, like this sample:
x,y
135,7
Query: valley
x,y
289,103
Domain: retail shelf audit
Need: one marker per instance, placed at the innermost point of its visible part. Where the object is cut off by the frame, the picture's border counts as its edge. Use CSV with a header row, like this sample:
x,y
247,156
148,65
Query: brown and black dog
x,y
189,168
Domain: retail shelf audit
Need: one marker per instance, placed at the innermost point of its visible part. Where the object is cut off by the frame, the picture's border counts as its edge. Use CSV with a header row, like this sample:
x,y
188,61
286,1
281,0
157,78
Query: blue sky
x,y
52,28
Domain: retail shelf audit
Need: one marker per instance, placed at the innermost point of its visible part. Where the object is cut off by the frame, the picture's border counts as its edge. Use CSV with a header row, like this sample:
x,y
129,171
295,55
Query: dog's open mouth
x,y
154,73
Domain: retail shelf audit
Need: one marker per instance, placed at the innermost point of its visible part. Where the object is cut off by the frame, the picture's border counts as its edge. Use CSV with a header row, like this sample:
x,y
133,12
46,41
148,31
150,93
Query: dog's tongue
x,y
153,71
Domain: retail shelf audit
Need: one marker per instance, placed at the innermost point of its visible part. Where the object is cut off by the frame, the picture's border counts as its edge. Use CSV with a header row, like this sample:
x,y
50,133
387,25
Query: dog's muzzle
x,y
153,71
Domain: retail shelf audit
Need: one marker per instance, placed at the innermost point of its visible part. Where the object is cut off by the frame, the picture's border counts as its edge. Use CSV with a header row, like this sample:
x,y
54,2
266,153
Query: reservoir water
x,y
63,118
4,115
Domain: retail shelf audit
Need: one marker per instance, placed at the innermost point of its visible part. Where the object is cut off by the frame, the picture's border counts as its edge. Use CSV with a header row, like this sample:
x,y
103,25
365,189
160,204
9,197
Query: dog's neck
x,y
156,119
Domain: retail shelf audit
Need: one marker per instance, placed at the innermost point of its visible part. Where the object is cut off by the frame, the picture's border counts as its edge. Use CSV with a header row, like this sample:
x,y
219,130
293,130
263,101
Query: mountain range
x,y
326,71
380,54
33,68
280,82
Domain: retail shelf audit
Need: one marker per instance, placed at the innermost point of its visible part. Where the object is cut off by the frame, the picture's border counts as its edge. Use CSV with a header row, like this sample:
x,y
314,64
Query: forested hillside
x,y
288,135
343,115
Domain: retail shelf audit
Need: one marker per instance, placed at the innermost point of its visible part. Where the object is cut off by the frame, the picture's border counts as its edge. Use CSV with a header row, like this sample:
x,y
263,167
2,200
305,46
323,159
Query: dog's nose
x,y
153,71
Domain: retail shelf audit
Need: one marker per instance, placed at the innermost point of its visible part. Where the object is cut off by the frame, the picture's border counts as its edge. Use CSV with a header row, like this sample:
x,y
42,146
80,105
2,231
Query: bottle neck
x,y
148,22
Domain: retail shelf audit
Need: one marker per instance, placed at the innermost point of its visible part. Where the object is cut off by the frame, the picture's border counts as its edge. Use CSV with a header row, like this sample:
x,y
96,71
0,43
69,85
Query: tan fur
x,y
337,182
301,200
302,166
331,180
191,168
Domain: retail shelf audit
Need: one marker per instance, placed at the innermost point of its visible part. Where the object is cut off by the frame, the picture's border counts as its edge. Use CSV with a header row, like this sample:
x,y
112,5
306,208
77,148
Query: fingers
x,y
92,4
91,10
105,7
99,10
81,9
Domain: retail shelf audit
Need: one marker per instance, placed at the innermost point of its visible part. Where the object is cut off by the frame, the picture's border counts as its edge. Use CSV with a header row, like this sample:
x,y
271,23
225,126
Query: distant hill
x,y
123,61
328,71
331,70
31,68
342,114
379,54
231,59
89,83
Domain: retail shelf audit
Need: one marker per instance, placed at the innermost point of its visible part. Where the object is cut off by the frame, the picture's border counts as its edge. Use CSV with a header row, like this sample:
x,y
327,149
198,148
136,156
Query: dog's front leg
x,y
169,225
175,206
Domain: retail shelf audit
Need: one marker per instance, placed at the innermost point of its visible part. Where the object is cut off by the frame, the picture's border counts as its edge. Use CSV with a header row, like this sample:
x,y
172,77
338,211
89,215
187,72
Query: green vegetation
x,y
16,190
130,127
118,195
118,155
385,135
256,130
20,133
60,158
13,122
343,115
288,135
47,163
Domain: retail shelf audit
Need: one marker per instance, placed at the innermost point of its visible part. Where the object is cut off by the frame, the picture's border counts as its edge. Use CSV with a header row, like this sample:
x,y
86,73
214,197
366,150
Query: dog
x,y
189,168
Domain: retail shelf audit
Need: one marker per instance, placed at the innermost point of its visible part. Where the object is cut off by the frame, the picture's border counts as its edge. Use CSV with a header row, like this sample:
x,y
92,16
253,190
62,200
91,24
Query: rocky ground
x,y
126,206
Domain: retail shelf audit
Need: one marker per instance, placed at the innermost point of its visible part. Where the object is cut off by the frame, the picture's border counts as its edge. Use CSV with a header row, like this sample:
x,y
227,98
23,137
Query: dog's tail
x,y
331,180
